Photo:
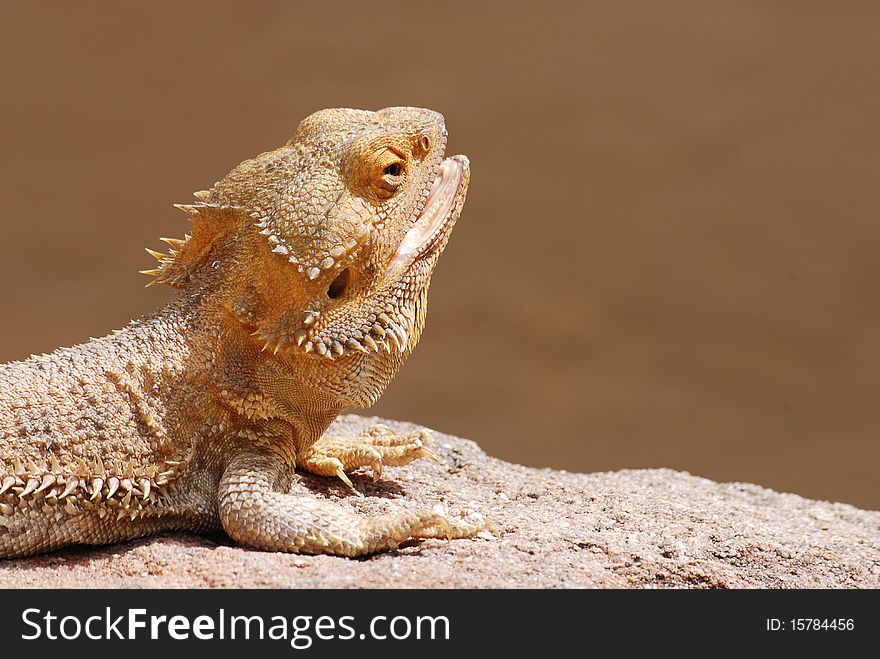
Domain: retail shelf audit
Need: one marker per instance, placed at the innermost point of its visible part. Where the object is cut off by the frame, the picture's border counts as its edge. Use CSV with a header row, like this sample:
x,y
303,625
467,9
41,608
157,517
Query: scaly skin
x,y
303,288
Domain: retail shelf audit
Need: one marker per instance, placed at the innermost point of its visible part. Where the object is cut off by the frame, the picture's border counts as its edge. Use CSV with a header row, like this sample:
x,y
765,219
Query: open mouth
x,y
441,209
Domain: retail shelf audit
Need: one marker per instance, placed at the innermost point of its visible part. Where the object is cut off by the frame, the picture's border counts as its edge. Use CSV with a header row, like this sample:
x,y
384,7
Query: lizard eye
x,y
390,179
337,286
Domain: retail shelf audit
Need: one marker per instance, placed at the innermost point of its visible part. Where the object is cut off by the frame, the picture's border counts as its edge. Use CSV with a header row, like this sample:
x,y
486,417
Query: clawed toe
x,y
375,448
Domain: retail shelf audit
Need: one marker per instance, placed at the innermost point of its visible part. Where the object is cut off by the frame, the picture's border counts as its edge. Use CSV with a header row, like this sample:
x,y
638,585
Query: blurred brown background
x,y
669,255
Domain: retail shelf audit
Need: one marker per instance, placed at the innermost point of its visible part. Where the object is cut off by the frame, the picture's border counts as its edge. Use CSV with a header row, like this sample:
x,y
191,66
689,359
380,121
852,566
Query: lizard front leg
x,y
376,446
257,511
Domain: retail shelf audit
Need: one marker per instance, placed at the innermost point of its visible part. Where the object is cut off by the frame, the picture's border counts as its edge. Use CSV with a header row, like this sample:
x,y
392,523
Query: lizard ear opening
x,y
339,285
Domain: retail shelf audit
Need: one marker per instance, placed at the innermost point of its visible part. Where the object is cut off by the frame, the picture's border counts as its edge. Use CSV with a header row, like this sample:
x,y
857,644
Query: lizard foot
x,y
389,531
375,447
253,513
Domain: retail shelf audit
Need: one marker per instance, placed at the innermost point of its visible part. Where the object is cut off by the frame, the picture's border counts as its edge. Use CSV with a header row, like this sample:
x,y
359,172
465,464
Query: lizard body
x,y
303,288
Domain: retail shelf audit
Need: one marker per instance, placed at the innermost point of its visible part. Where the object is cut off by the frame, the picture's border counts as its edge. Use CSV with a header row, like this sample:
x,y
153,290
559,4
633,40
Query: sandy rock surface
x,y
632,528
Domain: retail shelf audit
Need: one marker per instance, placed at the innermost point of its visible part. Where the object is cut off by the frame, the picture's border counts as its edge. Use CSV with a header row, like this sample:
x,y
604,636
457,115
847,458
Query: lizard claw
x,y
430,455
340,473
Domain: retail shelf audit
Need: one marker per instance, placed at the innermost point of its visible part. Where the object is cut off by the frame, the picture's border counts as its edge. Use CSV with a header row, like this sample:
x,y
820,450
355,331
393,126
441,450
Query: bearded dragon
x,y
302,289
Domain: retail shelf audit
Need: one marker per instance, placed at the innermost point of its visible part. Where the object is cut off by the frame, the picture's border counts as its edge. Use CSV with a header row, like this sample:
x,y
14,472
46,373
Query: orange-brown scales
x,y
303,288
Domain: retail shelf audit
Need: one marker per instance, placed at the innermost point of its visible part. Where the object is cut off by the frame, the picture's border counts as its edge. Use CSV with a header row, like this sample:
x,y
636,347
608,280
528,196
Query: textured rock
x,y
632,528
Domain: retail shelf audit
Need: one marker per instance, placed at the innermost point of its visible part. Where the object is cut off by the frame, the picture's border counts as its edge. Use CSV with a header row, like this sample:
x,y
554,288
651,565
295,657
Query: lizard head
x,y
324,248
